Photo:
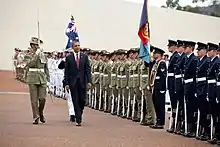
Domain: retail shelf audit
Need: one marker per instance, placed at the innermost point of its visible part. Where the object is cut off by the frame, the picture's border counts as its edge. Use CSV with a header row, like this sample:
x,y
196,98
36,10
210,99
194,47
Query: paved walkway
x,y
98,130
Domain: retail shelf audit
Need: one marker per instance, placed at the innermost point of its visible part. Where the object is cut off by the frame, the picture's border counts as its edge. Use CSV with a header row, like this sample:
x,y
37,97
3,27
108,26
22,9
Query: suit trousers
x,y
159,105
78,94
37,96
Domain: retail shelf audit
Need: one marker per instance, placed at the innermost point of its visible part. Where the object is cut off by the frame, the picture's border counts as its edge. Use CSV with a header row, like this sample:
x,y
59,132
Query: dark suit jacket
x,y
61,65
72,72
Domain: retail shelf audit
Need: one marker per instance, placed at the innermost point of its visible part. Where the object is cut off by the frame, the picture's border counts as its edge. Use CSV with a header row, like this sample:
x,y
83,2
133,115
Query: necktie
x,y
77,60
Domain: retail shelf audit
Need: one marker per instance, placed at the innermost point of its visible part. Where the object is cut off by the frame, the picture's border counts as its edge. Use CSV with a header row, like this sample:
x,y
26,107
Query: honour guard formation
x,y
125,86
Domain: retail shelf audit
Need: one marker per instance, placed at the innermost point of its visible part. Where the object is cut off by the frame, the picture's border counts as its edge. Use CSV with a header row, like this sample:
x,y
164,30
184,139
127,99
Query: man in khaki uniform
x,y
102,64
130,62
136,85
147,107
124,72
37,78
113,87
96,80
119,75
106,83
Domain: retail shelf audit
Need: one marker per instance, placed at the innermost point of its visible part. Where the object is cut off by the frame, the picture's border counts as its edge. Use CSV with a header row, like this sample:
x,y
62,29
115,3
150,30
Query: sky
x,y
159,3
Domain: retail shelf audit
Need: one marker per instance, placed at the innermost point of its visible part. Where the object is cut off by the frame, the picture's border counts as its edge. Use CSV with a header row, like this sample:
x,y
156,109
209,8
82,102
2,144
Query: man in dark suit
x,y
72,117
77,79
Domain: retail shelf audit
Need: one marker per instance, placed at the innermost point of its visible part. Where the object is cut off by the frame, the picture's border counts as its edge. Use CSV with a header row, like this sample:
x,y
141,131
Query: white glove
x,y
140,88
37,51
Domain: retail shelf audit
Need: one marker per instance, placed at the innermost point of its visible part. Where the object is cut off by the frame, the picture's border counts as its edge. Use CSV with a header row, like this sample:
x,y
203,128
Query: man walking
x,y
37,77
77,79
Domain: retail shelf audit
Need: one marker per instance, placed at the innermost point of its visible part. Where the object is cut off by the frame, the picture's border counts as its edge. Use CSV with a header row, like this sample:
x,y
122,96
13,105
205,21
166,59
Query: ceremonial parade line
x,y
10,92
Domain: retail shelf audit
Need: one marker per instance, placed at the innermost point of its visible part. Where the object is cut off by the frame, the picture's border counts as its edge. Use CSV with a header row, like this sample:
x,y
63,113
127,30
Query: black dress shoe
x,y
42,119
147,124
78,124
218,142
157,126
204,138
190,135
72,118
213,141
36,121
170,130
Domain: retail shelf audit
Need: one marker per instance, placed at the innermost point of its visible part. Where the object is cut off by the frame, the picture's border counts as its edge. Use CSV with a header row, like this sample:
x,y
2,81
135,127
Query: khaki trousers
x,y
38,99
149,116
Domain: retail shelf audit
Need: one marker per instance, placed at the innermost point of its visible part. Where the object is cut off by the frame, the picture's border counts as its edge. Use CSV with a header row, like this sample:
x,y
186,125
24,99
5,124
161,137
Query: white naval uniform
x,y
59,77
70,103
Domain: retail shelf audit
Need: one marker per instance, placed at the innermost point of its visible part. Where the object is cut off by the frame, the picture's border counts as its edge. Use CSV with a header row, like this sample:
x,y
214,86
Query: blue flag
x,y
144,34
71,33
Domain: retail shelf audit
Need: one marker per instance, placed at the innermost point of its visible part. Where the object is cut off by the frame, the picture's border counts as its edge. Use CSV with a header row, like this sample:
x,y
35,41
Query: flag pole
x,y
38,22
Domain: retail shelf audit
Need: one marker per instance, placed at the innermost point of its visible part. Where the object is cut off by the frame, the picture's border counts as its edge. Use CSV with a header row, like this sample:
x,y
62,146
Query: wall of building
x,y
109,24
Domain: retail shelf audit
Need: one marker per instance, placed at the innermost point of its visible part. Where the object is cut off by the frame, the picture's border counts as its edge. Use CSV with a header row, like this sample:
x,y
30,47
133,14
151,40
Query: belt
x,y
144,76
178,76
157,78
170,74
135,75
105,75
188,81
201,79
36,69
212,81
113,75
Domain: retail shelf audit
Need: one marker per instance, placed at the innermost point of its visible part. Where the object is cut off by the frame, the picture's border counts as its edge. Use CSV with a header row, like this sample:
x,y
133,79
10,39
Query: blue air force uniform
x,y
201,91
212,82
178,72
159,72
190,88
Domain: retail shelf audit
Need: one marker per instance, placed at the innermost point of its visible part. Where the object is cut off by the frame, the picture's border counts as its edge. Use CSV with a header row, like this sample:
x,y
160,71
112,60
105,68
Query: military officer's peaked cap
x,y
212,46
202,46
179,43
189,43
172,43
158,51
120,51
35,40
152,48
130,51
103,52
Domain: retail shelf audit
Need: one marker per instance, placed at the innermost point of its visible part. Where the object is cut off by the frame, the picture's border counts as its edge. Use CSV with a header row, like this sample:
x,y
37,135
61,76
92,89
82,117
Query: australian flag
x,y
144,34
71,33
